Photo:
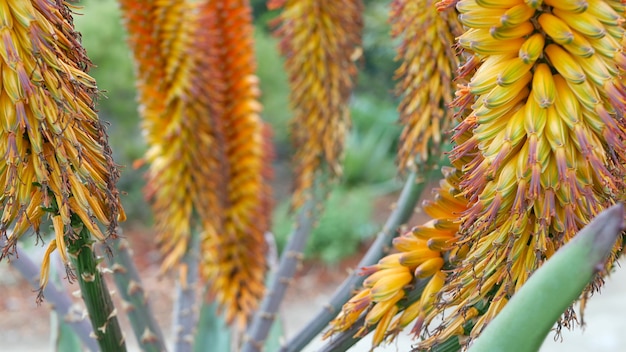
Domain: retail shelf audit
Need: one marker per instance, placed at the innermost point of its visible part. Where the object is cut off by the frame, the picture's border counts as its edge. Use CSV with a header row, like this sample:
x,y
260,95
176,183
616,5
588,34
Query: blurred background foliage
x,y
370,157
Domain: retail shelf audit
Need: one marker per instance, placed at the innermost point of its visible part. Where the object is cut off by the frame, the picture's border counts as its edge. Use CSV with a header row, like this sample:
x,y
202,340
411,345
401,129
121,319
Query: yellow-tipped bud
x,y
518,31
535,4
428,267
513,72
418,256
544,89
580,46
431,290
388,285
517,15
603,12
502,95
495,4
532,48
575,6
583,22
556,28
485,78
565,64
481,42
483,18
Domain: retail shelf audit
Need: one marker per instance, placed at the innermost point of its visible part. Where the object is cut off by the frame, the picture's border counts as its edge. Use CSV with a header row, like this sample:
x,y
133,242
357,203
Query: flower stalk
x,y
186,310
136,304
94,291
290,261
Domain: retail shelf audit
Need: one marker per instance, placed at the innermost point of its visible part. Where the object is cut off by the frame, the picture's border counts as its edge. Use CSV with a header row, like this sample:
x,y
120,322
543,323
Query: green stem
x,y
409,196
102,312
185,310
137,308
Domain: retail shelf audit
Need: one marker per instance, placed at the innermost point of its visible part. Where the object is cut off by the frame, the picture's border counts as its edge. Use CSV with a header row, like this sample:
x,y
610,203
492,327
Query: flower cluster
x,y
56,159
321,41
425,75
539,149
209,160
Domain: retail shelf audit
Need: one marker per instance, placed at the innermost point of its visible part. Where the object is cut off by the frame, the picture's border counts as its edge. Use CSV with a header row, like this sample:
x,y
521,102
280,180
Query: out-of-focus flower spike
x,y
321,41
235,259
425,76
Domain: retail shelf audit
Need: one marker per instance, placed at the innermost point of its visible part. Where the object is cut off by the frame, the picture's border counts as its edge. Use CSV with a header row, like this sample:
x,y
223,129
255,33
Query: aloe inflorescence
x,y
56,160
539,151
209,156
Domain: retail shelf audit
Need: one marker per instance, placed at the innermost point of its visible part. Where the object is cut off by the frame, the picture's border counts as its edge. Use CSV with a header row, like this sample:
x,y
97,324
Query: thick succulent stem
x,y
136,305
400,215
185,314
59,300
289,262
102,312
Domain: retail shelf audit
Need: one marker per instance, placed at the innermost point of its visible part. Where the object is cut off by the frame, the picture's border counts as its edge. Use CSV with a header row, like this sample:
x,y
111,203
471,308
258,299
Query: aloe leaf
x,y
213,332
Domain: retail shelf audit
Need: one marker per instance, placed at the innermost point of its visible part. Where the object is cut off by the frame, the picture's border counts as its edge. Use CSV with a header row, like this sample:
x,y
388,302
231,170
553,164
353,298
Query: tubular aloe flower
x,y
426,76
545,108
234,258
321,40
419,256
56,159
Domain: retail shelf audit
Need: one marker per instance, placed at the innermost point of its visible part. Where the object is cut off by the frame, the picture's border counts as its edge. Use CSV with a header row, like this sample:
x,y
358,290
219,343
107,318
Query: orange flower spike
x,y
321,41
236,259
425,75
179,131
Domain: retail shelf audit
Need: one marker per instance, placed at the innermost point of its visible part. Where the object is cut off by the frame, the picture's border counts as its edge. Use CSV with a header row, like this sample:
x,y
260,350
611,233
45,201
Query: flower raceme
x,y
545,108
540,148
208,155
234,258
425,76
56,159
321,41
